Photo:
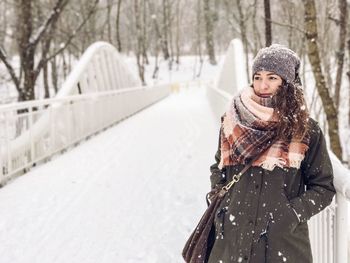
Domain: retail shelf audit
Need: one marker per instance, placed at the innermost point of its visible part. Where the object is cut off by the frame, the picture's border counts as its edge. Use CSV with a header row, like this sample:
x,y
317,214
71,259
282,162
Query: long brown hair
x,y
292,112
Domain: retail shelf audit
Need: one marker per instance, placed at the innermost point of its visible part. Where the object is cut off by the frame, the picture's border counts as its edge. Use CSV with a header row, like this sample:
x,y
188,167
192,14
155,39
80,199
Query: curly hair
x,y
292,112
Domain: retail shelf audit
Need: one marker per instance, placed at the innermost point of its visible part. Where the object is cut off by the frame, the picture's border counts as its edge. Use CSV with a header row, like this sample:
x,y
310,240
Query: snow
x,y
130,194
189,69
98,202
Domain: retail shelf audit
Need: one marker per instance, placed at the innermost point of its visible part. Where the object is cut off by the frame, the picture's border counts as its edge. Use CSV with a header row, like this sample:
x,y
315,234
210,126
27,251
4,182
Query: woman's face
x,y
266,83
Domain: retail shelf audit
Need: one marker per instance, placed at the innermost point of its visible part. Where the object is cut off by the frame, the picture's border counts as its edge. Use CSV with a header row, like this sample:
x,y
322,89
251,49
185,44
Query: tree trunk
x,y
289,8
64,66
268,33
27,50
3,8
199,40
242,27
46,82
177,32
256,34
109,28
27,42
170,35
209,32
165,31
314,58
139,56
144,33
117,24
324,45
348,74
54,76
341,52
156,67
158,37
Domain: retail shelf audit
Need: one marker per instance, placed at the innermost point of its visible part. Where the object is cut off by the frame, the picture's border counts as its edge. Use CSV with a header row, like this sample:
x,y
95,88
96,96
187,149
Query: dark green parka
x,y
256,222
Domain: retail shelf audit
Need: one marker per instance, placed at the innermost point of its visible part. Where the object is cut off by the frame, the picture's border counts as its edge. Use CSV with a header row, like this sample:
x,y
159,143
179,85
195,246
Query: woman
x,y
263,218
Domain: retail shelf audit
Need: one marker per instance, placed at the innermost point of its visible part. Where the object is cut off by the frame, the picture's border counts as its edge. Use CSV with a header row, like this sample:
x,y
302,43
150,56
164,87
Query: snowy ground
x,y
130,194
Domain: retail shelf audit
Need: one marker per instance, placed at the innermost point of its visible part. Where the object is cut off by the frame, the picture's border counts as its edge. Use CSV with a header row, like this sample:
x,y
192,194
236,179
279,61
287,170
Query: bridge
x,y
111,171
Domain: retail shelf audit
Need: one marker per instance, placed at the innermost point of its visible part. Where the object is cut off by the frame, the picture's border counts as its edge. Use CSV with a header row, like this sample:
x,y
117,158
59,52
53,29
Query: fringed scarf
x,y
249,129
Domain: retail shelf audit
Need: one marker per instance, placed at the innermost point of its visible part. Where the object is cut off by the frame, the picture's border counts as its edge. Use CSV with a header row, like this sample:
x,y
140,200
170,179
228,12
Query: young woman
x,y
263,218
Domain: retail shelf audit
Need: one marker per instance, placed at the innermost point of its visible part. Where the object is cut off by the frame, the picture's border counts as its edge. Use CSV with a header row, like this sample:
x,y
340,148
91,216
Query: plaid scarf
x,y
249,129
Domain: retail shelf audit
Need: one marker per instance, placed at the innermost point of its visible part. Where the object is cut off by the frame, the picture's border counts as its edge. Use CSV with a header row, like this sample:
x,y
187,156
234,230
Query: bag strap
x,y
237,177
234,180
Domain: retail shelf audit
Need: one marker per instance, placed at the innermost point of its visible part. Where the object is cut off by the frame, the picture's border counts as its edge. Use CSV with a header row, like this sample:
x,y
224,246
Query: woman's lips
x,y
265,95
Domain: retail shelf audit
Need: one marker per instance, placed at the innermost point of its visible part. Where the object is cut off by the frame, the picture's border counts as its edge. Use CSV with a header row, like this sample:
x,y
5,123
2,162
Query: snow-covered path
x,y
129,194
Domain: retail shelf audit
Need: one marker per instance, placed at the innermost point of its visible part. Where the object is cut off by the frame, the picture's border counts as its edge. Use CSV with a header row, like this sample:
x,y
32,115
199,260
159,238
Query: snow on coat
x,y
263,218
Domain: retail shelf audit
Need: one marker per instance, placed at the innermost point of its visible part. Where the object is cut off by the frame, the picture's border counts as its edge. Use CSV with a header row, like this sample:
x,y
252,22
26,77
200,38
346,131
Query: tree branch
x,y
70,38
57,10
10,69
335,20
286,25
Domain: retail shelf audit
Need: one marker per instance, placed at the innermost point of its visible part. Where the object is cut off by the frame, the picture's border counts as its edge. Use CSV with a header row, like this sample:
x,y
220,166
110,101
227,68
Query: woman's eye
x,y
256,78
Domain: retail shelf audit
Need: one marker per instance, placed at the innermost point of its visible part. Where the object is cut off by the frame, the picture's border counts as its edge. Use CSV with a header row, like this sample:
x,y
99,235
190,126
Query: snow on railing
x,y
108,92
329,234
100,68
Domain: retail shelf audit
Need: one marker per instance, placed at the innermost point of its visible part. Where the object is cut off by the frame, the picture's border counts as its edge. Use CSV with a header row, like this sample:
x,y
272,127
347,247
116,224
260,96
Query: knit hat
x,y
280,60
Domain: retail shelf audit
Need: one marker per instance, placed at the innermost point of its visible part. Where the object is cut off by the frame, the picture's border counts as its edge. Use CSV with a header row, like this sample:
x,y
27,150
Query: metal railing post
x,y
341,229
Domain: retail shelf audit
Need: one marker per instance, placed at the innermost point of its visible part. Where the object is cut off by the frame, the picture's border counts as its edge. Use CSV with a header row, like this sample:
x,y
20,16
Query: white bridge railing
x,y
108,92
329,230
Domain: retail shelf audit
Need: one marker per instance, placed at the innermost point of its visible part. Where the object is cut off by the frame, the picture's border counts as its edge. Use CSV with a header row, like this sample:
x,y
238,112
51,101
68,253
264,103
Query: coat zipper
x,y
221,214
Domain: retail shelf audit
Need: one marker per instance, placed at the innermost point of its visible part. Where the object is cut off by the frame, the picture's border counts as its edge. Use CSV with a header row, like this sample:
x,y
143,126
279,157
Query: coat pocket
x,y
283,221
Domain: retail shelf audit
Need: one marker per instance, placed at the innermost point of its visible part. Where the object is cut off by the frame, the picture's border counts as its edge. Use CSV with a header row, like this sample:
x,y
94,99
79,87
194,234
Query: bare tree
x,y
109,26
165,28
268,33
198,40
30,35
209,27
343,11
117,26
3,22
177,32
348,74
170,20
54,73
241,20
144,32
27,41
139,51
256,34
289,14
325,26
314,57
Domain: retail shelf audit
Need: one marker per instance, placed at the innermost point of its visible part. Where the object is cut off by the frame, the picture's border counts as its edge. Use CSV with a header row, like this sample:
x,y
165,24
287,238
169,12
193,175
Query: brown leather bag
x,y
198,245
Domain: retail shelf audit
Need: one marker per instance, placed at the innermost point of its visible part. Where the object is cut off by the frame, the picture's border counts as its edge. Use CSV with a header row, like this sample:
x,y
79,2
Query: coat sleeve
x,y
317,172
217,177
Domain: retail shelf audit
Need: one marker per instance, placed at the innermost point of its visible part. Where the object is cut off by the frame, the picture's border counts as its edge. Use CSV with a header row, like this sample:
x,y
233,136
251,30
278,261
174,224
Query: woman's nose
x,y
264,84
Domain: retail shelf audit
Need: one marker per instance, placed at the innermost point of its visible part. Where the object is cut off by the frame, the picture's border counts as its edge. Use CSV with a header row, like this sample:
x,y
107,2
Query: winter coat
x,y
257,221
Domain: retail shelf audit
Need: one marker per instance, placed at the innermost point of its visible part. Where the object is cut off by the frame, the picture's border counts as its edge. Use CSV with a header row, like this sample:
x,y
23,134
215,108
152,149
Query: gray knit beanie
x,y
280,60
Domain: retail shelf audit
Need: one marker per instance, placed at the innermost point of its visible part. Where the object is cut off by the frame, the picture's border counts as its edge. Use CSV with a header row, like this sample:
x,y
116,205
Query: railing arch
x,y
100,91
